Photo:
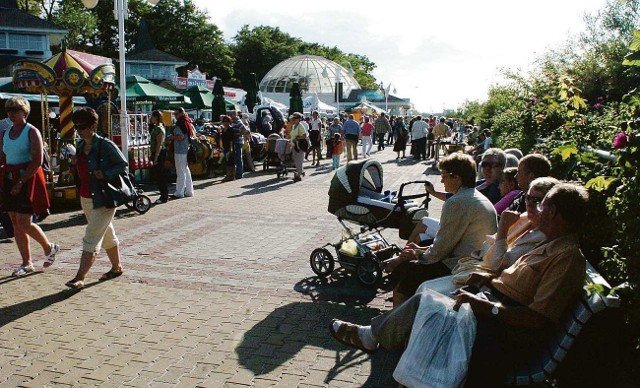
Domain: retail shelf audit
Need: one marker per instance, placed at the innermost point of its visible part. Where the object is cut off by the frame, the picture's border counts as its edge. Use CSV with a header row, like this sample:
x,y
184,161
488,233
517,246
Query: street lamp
x,y
121,11
339,69
386,94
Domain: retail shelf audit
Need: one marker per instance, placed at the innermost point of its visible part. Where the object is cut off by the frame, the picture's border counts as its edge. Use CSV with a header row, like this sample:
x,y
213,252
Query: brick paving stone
x,y
217,292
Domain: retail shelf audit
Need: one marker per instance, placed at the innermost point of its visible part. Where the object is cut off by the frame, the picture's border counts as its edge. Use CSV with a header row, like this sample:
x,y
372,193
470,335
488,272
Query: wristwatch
x,y
495,309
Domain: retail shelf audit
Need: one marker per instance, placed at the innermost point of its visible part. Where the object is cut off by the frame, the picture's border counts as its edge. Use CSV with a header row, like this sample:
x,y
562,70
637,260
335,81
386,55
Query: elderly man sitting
x,y
520,306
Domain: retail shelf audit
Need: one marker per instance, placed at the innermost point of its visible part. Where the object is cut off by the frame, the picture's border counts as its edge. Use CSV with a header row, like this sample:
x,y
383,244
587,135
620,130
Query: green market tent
x,y
141,91
201,98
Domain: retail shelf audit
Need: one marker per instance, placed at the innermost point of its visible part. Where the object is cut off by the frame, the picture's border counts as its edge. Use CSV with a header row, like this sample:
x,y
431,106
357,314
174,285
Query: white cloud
x,y
436,53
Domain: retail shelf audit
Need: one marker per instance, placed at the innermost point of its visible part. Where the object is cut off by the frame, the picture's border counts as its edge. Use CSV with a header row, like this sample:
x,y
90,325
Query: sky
x,y
437,53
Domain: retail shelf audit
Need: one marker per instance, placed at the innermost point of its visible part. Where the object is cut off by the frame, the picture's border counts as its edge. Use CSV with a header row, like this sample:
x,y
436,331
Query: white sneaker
x,y
23,270
51,257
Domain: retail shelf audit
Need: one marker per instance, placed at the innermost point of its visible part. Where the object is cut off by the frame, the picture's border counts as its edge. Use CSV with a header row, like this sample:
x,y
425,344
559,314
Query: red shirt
x,y
367,129
83,174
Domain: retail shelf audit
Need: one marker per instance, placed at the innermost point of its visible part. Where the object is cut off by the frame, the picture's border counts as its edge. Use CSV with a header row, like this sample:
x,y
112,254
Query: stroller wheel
x,y
321,262
142,204
369,272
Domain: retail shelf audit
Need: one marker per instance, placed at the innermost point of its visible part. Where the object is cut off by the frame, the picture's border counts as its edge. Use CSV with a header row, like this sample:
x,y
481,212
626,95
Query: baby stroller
x,y
140,202
278,154
356,195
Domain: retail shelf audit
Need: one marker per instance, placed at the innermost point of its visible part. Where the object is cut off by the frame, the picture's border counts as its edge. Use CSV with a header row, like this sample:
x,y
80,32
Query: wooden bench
x,y
541,366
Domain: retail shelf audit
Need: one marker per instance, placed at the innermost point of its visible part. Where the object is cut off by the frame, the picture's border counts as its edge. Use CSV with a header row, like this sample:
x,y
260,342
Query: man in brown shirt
x,y
517,312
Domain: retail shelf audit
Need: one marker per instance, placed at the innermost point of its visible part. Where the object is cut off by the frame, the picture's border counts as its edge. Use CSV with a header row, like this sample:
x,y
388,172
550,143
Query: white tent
x,y
312,102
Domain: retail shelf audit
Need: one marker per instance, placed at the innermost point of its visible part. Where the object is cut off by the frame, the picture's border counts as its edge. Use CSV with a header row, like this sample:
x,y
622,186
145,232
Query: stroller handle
x,y
402,197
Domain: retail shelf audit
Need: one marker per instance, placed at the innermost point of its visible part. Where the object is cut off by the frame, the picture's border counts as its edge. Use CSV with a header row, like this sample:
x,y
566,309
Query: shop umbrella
x,y
201,97
295,99
252,99
218,107
141,91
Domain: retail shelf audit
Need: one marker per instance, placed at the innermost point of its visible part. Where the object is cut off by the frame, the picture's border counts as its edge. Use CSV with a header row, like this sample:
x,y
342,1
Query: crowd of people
x,y
506,243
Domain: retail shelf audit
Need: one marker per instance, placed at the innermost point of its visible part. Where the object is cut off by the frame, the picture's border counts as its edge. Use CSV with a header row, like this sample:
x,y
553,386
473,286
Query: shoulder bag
x,y
118,190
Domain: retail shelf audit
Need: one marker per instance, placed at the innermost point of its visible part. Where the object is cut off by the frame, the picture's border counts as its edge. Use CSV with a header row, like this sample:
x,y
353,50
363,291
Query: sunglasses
x,y
13,109
489,164
82,127
532,199
448,175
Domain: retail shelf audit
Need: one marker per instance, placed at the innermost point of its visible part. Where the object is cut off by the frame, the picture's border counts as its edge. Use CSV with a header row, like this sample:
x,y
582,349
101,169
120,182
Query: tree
x,y
81,23
259,49
182,29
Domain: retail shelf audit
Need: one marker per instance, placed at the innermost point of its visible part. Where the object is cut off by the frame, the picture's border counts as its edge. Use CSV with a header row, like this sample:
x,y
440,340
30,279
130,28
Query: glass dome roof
x,y
315,75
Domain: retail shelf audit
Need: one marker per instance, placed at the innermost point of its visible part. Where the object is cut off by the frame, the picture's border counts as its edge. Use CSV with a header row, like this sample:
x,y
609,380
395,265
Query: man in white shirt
x,y
419,138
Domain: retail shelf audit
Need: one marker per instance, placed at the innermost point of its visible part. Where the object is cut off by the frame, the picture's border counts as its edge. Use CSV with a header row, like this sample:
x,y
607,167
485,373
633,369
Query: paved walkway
x,y
217,292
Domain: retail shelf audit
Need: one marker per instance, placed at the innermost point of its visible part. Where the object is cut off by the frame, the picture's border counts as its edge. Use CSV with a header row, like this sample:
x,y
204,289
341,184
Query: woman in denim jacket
x,y
97,159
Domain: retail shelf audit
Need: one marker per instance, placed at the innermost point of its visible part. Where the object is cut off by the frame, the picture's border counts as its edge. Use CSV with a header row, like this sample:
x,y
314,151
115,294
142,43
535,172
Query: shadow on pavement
x,y
263,187
340,287
290,328
11,313
72,220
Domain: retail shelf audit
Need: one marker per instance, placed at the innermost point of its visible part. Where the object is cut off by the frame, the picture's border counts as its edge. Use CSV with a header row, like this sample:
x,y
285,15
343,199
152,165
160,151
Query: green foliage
x,y
73,16
259,49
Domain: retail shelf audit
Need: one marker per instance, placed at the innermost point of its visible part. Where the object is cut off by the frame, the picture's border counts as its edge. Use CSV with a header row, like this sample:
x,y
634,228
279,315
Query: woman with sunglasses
x,y
24,191
97,159
467,218
492,163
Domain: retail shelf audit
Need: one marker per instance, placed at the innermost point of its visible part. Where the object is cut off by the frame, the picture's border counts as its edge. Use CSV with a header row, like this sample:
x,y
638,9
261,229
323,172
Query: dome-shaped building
x,y
315,75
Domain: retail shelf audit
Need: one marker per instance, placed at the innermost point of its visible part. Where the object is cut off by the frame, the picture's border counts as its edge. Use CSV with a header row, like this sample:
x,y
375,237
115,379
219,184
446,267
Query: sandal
x,y
23,270
110,275
51,257
347,334
75,284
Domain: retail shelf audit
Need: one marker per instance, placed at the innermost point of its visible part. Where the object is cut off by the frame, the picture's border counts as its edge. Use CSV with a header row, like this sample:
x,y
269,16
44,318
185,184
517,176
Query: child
x,y
508,189
338,148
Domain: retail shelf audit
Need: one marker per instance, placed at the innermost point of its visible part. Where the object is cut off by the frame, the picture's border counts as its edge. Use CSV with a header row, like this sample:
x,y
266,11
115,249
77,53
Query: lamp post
x,y
386,94
339,69
121,11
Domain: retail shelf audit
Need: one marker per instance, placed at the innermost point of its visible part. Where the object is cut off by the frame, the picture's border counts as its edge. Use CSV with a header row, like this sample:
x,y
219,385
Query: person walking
x,y
159,156
97,159
338,149
351,136
366,131
383,127
402,134
238,128
24,191
419,138
299,145
335,127
315,136
227,145
181,136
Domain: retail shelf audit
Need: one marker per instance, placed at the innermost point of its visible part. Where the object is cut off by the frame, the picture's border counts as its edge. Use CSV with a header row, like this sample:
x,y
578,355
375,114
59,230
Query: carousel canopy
x,y
66,73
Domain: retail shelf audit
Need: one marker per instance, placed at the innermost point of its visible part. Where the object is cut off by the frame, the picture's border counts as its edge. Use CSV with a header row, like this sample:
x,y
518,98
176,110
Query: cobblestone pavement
x,y
217,291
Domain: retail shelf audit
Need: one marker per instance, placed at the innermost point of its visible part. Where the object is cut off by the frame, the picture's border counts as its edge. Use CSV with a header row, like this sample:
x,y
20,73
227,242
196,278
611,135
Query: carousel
x,y
66,74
